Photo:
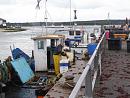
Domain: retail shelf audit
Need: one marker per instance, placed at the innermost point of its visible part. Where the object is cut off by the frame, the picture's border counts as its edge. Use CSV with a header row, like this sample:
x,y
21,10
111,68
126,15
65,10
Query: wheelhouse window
x,y
78,32
40,44
71,32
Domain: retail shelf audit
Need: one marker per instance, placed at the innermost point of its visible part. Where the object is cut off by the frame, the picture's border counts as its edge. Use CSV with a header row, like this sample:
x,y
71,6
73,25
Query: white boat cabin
x,y
72,36
44,48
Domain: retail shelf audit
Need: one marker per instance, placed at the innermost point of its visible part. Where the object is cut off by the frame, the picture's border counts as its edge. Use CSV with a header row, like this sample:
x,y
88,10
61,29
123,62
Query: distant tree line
x,y
93,22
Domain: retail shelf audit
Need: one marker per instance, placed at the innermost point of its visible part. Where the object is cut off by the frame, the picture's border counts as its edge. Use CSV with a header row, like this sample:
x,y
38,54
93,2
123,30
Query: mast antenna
x,y
45,17
38,4
75,17
108,17
70,13
75,14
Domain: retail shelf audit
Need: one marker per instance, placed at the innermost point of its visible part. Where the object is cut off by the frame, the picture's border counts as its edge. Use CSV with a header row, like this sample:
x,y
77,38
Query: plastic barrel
x,y
128,46
114,44
91,48
56,59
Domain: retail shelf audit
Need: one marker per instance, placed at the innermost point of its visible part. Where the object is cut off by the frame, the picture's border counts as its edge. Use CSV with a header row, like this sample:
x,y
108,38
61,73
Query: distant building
x,y
2,22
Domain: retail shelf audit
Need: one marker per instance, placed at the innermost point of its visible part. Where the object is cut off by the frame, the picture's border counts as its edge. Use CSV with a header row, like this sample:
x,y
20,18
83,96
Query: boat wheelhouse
x,y
44,48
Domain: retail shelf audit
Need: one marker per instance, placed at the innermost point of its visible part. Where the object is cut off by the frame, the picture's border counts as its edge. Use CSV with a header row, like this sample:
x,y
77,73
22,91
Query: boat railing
x,y
91,72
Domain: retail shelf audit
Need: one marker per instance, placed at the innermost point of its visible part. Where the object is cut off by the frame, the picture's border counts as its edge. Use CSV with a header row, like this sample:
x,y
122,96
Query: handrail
x,y
86,73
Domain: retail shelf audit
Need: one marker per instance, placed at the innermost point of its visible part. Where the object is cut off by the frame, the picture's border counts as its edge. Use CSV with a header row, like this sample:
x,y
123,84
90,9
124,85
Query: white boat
x,y
75,39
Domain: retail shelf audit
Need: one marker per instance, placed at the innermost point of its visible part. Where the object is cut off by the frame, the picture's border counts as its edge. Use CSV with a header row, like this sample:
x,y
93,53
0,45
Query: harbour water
x,y
23,40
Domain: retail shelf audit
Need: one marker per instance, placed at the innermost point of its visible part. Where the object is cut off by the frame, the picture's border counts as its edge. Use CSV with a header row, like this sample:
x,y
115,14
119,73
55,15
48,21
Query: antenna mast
x,y
46,16
108,17
75,17
70,13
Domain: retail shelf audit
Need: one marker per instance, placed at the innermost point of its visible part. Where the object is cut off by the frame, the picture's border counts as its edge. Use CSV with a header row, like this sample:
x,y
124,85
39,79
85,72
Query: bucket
x,y
64,64
56,59
128,46
91,48
40,96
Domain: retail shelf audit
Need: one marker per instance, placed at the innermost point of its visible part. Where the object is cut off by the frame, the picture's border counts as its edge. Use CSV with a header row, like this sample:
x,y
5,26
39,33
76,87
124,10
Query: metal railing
x,y
91,72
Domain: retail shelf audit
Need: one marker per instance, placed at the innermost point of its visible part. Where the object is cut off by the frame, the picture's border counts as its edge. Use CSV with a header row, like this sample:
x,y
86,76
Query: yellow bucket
x,y
56,59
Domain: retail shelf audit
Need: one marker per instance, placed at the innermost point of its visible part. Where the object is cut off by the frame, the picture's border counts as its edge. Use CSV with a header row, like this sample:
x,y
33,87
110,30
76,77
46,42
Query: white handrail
x,y
85,72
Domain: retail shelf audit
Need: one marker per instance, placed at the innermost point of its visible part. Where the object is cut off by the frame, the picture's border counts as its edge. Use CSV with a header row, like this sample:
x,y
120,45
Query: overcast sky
x,y
58,10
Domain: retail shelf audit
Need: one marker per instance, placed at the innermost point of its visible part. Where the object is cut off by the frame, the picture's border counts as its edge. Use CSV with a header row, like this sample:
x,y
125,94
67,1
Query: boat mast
x,y
108,17
46,17
70,13
75,17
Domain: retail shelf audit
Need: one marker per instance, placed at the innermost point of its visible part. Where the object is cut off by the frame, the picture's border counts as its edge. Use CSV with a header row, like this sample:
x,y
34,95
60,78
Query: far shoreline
x,y
10,29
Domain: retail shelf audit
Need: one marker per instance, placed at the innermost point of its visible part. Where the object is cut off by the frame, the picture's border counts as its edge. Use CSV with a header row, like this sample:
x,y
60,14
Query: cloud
x,y
6,2
17,2
88,4
81,4
58,10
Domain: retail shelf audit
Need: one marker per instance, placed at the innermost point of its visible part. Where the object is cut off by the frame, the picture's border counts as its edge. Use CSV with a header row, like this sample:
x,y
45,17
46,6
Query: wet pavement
x,y
115,79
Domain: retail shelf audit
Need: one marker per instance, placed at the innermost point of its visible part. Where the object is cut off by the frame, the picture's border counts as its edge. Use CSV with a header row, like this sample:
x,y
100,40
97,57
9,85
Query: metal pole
x,y
88,85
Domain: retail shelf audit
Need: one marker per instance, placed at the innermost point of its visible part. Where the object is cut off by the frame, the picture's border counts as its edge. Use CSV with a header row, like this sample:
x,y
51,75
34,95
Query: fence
x,y
91,72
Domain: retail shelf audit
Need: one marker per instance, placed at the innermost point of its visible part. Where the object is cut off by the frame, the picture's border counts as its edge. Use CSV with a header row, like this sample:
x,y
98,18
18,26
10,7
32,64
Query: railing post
x,y
88,85
96,60
100,66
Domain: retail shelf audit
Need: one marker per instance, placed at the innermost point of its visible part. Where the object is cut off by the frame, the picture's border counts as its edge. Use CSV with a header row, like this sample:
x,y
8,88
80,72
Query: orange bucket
x,y
40,96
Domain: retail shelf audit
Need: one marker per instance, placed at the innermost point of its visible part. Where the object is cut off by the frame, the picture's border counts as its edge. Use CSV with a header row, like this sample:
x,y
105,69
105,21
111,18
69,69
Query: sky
x,y
59,10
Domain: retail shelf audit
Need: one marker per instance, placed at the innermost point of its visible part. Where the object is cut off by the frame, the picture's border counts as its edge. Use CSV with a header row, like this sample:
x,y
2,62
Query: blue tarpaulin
x,y
23,69
91,48
17,53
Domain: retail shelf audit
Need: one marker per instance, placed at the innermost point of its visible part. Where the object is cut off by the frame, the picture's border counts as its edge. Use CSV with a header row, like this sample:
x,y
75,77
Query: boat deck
x,y
62,89
115,78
